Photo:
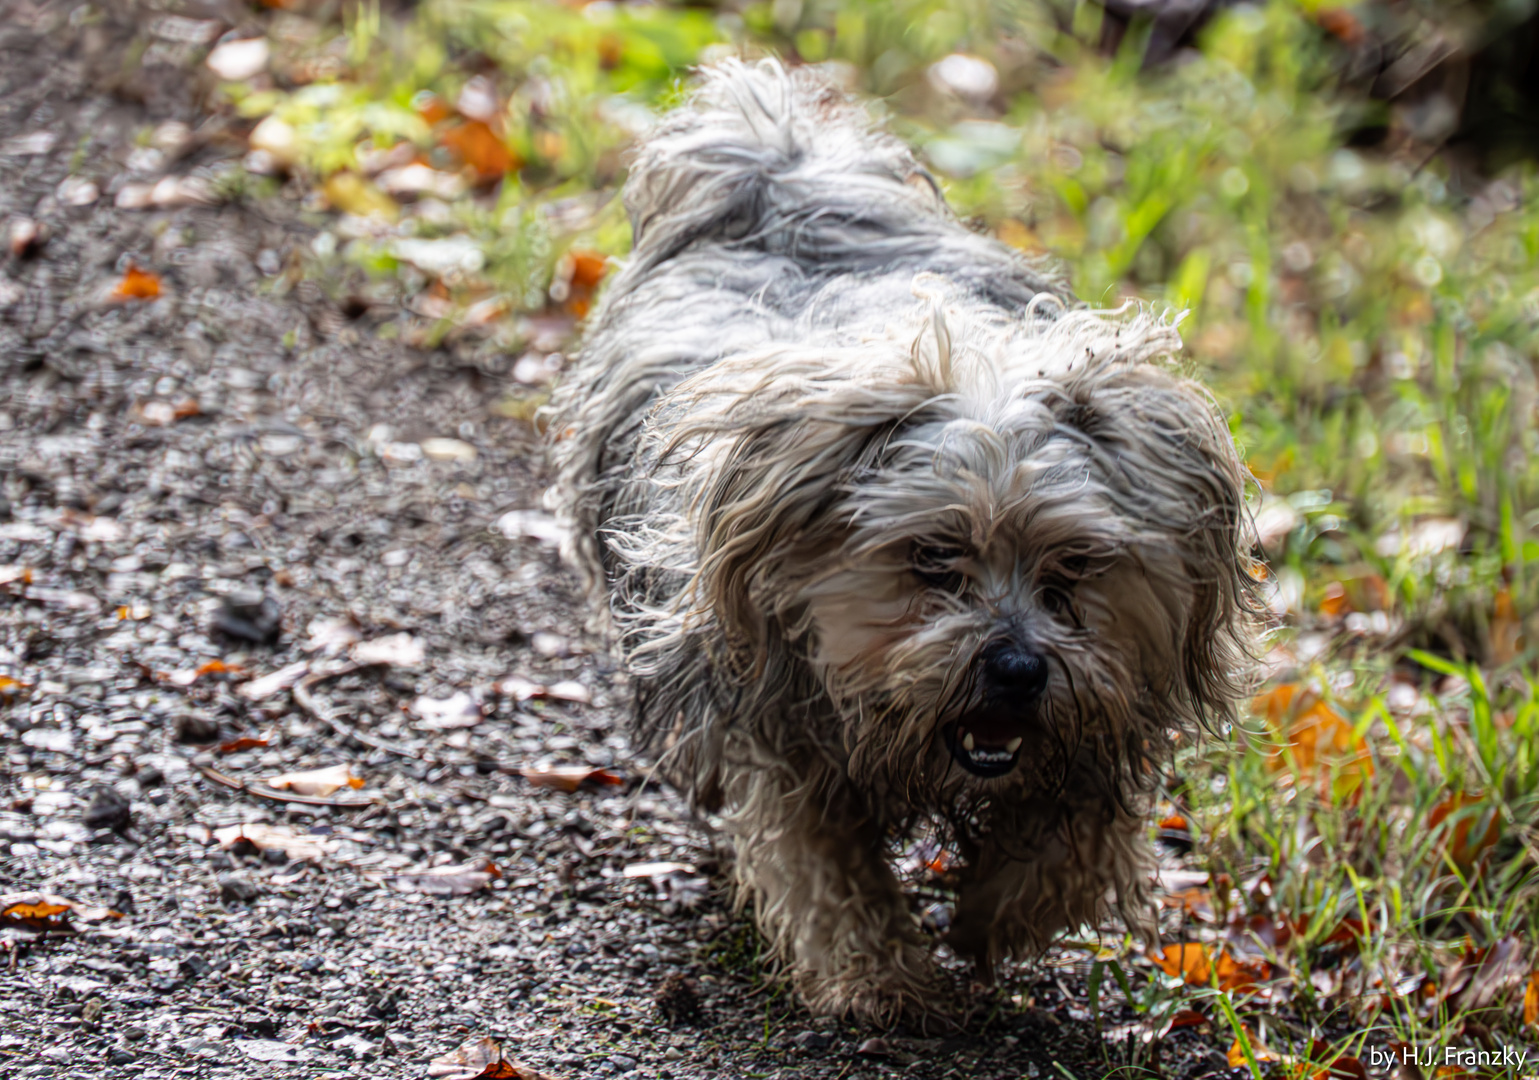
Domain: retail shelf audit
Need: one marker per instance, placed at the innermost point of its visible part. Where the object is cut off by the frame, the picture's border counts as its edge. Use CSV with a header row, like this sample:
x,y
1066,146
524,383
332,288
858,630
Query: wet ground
x,y
247,476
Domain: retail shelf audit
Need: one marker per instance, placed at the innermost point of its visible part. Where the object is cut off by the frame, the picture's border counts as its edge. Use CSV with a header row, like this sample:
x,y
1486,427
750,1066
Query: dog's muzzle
x,y
987,740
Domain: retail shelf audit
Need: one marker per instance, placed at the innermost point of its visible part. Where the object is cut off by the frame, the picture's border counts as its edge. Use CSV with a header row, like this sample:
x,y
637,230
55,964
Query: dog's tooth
x,y
967,742
1013,745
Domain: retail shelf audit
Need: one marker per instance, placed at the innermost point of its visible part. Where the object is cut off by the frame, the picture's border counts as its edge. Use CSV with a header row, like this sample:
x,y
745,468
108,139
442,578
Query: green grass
x,y
1369,319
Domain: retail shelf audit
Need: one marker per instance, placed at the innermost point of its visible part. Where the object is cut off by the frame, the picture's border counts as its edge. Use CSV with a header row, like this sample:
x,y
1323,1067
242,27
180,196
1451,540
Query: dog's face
x,y
993,561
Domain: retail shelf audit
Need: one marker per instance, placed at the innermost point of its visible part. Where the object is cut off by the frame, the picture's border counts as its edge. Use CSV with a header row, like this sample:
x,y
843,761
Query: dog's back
x,y
768,208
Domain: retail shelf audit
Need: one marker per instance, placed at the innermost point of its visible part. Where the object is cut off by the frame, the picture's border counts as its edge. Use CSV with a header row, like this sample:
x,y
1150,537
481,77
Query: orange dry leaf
x,y
1175,822
1189,961
1236,975
1471,813
478,146
1531,1001
1334,603
481,1058
1342,24
569,777
320,782
432,108
461,880
1258,1050
47,911
1506,628
245,742
137,284
1187,1018
1322,743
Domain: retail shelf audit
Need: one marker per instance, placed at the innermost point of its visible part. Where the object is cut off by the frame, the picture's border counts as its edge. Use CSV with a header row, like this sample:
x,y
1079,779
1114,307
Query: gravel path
x,y
244,477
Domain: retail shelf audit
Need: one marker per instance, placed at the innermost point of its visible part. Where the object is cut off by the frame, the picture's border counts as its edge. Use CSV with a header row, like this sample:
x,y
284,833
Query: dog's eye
x,y
1056,601
936,566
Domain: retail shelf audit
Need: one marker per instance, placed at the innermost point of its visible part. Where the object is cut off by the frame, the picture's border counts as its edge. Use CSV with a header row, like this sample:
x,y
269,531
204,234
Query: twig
x,y
306,701
281,796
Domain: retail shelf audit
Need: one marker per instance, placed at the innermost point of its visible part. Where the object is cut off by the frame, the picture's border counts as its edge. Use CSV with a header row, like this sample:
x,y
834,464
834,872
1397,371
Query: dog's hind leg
x,y
811,862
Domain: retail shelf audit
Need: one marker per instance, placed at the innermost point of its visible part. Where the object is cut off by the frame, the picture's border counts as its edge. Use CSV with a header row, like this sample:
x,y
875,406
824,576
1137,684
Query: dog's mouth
x,y
986,743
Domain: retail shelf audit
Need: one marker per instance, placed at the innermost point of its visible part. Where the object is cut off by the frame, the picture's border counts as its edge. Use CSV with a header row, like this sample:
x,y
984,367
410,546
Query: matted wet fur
x,y
891,533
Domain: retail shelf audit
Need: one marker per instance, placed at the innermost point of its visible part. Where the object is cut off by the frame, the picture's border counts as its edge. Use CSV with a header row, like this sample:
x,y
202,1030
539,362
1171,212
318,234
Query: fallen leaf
x,y
478,146
533,524
1187,1018
1506,629
137,284
479,1058
331,636
1482,977
459,880
521,689
443,714
1188,961
262,837
246,742
352,194
1258,1050
1236,975
396,650
569,777
1531,1000
268,685
318,782
1475,829
48,911
656,869
1320,743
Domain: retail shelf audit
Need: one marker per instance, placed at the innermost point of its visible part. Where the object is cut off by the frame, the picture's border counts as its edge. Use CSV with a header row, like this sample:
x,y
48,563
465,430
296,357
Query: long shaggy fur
x,y
824,449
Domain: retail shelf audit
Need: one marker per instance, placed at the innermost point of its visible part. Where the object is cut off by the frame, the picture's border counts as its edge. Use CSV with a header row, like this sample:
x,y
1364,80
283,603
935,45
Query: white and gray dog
x,y
892,536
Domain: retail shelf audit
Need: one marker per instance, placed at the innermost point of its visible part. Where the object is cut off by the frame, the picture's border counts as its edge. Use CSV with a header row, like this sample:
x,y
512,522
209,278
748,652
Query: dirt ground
x,y
243,471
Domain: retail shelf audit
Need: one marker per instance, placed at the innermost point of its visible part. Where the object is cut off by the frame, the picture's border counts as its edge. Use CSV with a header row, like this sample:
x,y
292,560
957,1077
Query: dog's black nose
x,y
1010,669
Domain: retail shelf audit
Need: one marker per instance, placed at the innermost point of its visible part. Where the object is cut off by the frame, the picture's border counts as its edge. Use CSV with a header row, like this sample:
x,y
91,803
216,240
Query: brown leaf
x,y
1235,974
48,911
478,146
479,1058
1531,1000
1187,1018
245,742
460,880
1471,814
321,782
137,284
570,777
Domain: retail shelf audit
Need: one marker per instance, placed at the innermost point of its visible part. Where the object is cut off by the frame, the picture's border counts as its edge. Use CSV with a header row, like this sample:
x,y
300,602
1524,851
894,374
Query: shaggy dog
x,y
892,536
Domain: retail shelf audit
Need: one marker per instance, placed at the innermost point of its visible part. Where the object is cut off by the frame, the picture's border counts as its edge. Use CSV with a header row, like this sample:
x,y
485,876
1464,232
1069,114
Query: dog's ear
x,y
1170,467
783,438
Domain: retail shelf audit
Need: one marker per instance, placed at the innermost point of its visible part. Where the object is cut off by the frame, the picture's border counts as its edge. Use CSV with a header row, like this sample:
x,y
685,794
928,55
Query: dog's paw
x,y
924,1000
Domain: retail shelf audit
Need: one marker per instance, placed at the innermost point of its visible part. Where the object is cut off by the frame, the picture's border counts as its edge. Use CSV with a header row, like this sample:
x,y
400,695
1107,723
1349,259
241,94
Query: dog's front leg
x,y
1048,872
810,860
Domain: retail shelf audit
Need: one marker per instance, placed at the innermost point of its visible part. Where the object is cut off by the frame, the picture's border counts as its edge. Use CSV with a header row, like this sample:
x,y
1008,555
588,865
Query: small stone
x,y
812,1040
876,1047
250,615
234,888
107,810
193,728
120,1057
